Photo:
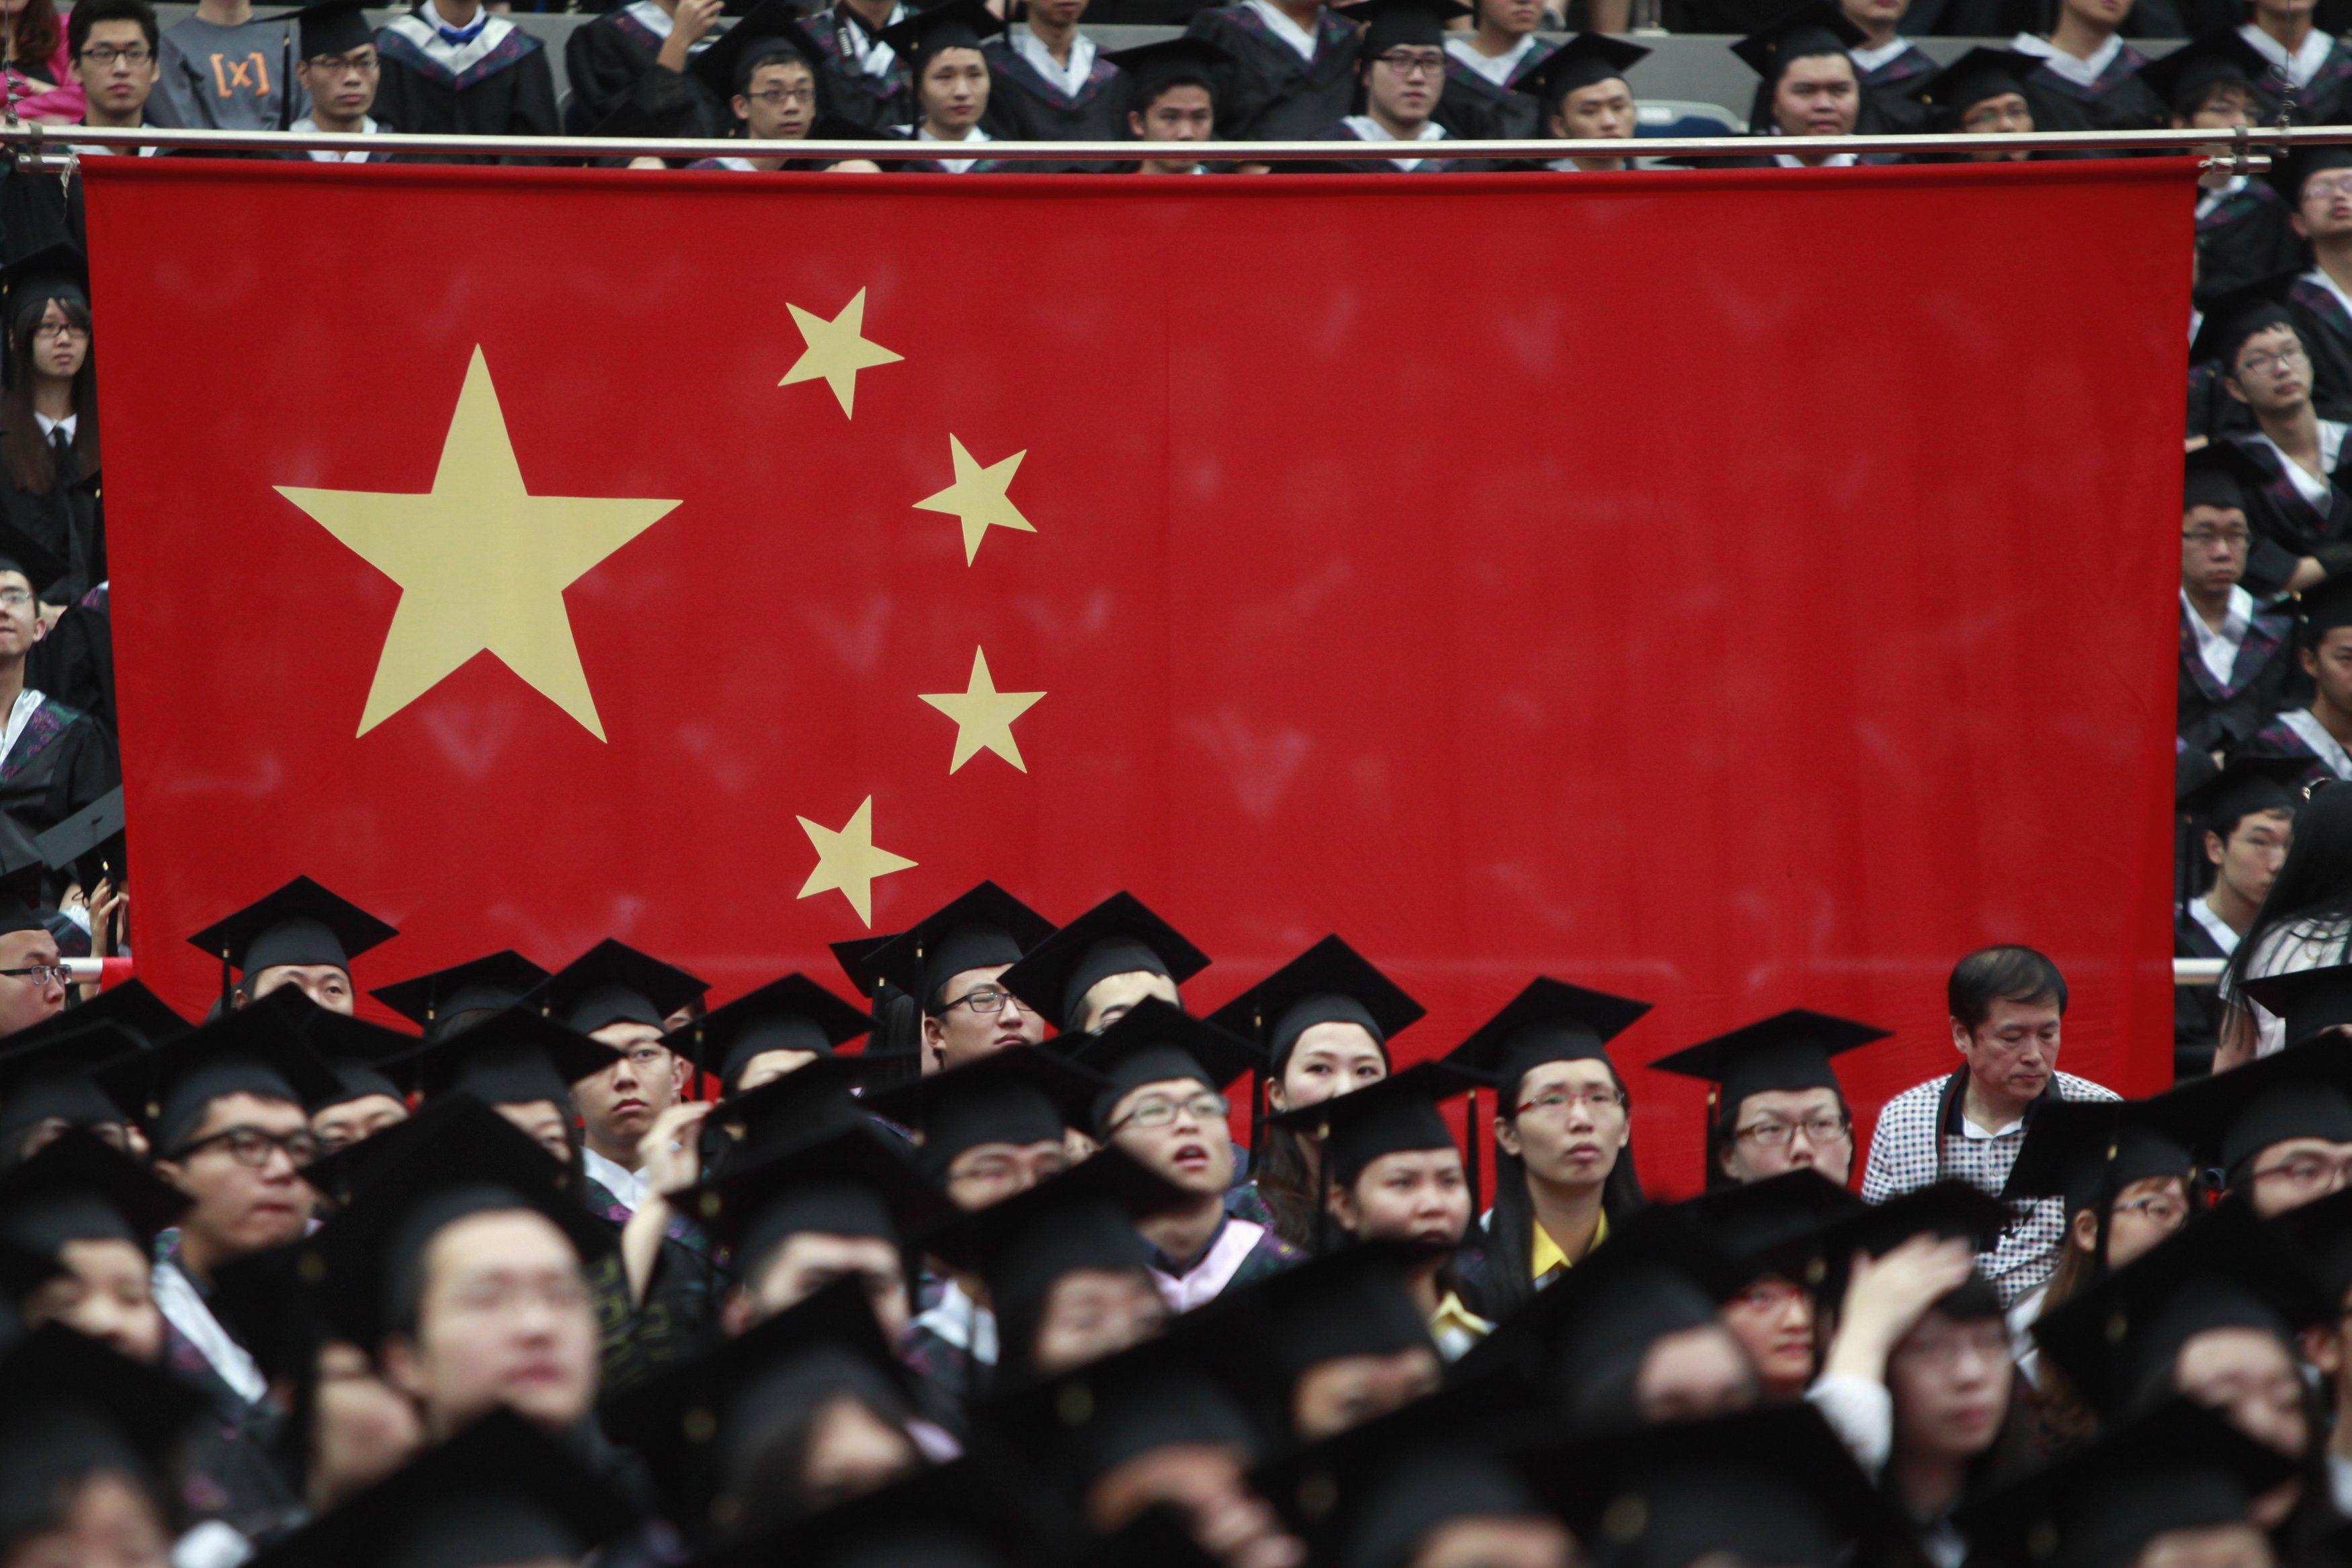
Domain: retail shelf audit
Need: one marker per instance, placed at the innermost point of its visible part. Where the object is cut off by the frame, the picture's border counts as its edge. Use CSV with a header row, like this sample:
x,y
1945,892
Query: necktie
x,y
61,449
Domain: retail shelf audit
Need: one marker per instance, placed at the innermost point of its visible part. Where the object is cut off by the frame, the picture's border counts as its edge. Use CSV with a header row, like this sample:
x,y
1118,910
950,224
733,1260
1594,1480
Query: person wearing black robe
x,y
1807,85
2243,820
2089,78
54,760
2233,675
1294,69
866,80
953,84
632,61
2303,73
1983,93
49,420
1485,65
1172,97
2316,184
471,74
1402,65
767,75
2243,232
1581,94
1891,66
1047,82
2319,733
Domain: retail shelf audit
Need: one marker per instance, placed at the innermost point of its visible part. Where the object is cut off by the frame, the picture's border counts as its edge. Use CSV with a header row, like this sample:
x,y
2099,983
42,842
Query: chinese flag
x,y
1739,591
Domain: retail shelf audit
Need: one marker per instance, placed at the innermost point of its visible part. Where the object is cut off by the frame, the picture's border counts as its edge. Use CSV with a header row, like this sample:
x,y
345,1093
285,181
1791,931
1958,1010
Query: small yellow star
x,y
983,716
978,496
848,861
837,349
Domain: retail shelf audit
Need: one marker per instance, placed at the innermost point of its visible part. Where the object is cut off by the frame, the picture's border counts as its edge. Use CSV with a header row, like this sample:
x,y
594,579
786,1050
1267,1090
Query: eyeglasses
x,y
104,55
2276,359
55,331
2309,1173
983,999
804,93
1158,1112
1593,1101
1411,62
2234,538
40,974
1818,1130
2168,1212
2319,186
252,1147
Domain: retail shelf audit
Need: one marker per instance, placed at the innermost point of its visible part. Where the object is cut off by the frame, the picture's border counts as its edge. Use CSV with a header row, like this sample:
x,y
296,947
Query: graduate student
x,y
365,1057
952,962
1401,64
1809,85
2279,1128
340,73
48,422
32,976
2316,184
1892,68
1049,83
866,82
2317,734
2303,73
93,1213
1171,96
2089,78
1776,1105
1769,1234
1084,976
952,82
2297,508
520,1065
1582,94
1343,1340
1325,1020
768,74
2243,234
2244,820
1563,1129
2236,656
611,61
49,1085
59,761
623,1000
1484,64
1293,65
451,67
767,1032
302,936
444,1002
1983,93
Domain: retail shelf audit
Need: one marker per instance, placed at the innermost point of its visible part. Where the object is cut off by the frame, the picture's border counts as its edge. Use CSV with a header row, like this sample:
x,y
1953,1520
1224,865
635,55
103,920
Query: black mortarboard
x,y
23,906
1156,1043
1388,23
956,1515
90,843
435,1000
301,923
694,1423
1152,68
785,1113
56,1076
1768,1485
2180,1467
2118,1340
2322,1231
770,27
81,1188
1329,983
70,1408
1774,1225
615,983
343,1174
2087,1151
1551,1020
794,1013
329,28
2182,78
854,1182
856,958
167,1088
1386,1117
2303,1091
55,271
1976,75
1950,1208
500,1492
2288,173
2219,474
1117,937
2322,609
2235,315
1351,1302
19,552
361,1054
510,1058
1005,1097
1584,60
1815,27
952,25
978,929
128,1006
1788,1050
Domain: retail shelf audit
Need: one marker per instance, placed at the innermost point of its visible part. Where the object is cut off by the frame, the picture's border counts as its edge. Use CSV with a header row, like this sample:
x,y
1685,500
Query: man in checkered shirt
x,y
2006,1005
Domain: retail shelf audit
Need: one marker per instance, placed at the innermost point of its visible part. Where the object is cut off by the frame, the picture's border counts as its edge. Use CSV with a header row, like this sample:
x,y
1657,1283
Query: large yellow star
x,y
482,562
978,496
837,349
983,716
848,861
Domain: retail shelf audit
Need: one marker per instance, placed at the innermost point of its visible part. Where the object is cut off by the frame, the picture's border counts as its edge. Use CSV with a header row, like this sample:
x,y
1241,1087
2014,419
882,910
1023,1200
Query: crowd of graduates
x,y
973,1271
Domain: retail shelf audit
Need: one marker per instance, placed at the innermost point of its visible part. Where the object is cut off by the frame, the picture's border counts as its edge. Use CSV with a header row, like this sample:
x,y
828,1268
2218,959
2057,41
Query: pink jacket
x,y
62,102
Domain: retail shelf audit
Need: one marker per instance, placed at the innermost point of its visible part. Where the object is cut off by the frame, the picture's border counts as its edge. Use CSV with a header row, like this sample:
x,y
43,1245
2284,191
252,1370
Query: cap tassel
x,y
1258,1123
1470,1137
228,986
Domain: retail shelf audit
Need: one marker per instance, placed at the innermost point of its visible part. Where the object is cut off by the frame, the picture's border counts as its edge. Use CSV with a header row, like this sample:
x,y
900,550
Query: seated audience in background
x,y
450,68
2301,516
2319,733
1807,85
867,82
1485,63
58,761
2304,72
1401,65
2305,923
115,43
1581,94
611,61
2236,656
2244,236
2243,818
2317,184
2089,78
37,69
1171,96
1983,93
48,423
1292,70
1891,66
952,81
339,73
1047,82
224,68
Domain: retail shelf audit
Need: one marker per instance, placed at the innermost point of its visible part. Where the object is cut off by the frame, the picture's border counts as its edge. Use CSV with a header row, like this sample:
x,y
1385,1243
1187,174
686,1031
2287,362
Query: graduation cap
x,y
41,567
1117,937
129,1006
2288,175
90,844
1976,75
956,1515
54,1078
500,1492
951,24
615,983
1585,60
1815,27
701,1424
71,1408
56,271
1018,1097
770,27
1413,22
1152,68
362,1055
1349,1302
300,922
1768,1485
2303,1091
1789,1050
2087,1151
2322,1231
1390,1116
978,929
2180,1467
794,1013
2119,1338
1774,1225
856,955
1329,983
785,1113
438,1002
1155,1043
2322,609
2237,314
853,1182
510,1058
2183,78
1550,1020
168,1089
2219,474
1951,1210
329,28
80,1188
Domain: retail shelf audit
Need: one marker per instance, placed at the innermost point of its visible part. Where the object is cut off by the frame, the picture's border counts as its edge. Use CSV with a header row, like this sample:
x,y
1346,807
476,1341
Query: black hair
x,y
2010,972
1505,1282
87,14
1157,85
2314,883
1720,1137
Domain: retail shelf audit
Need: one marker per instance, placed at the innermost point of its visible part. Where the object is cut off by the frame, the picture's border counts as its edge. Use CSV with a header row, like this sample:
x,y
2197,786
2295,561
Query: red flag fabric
x,y
1739,591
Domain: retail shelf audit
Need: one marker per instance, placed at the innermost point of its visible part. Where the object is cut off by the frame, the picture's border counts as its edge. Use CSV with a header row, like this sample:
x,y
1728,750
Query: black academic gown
x,y
1382,165
74,664
2287,527
2220,716
980,165
67,520
505,87
610,64
871,103
2116,100
2243,239
1887,107
2326,328
1473,109
2196,1009
2325,99
61,763
1268,93
2214,414
1024,106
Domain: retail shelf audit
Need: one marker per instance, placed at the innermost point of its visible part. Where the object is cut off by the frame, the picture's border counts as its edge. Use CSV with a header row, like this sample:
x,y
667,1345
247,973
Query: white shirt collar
x,y
1288,31
1871,59
2319,275
1834,160
2298,68
71,423
1496,69
2208,200
28,702
2081,73
953,165
1370,130
874,57
626,1185
368,127
423,28
2219,649
1068,77
2215,927
2313,488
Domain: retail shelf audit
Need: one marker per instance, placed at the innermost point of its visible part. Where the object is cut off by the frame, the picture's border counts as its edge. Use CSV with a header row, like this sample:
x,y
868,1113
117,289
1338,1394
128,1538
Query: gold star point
x,y
848,862
482,562
983,716
979,497
836,351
